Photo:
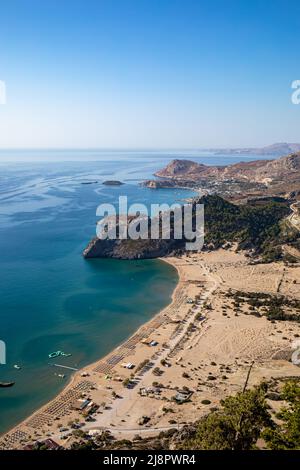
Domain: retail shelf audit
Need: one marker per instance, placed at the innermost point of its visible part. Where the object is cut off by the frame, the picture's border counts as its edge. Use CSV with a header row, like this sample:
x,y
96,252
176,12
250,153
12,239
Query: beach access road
x,y
131,400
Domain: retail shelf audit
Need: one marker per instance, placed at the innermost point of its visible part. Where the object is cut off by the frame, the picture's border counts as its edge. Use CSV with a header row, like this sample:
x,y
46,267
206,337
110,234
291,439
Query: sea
x,y
51,298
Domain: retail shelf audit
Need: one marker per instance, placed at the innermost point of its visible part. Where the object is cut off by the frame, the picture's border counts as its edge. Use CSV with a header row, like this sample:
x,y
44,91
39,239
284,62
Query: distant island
x,y
234,316
112,183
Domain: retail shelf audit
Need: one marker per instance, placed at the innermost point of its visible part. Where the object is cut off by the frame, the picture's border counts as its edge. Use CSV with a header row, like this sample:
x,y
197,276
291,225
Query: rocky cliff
x,y
255,227
132,249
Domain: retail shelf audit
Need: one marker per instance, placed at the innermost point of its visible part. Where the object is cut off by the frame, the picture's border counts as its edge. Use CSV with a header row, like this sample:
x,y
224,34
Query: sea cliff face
x,y
132,249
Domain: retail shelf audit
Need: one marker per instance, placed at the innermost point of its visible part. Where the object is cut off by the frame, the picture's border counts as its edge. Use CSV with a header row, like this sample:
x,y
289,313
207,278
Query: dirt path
x,y
121,408
294,218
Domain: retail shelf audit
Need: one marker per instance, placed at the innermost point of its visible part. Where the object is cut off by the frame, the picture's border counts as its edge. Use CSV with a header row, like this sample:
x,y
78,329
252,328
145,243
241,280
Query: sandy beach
x,y
200,343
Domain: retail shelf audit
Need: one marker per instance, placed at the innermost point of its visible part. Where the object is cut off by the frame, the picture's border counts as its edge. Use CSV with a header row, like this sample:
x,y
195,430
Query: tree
x,y
286,434
237,426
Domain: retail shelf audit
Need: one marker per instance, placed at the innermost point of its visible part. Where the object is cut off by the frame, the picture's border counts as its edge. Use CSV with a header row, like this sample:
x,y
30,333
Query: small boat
x,y
6,384
16,366
54,354
58,353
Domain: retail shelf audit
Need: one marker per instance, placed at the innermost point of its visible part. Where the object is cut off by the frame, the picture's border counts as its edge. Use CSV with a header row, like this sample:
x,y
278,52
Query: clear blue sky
x,y
149,73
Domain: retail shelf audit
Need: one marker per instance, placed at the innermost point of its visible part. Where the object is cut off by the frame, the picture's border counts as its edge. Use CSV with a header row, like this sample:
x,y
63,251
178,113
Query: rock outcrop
x,y
112,183
132,249
255,227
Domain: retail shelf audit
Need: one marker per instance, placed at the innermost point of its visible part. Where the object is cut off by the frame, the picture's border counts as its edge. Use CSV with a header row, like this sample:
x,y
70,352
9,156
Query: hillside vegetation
x,y
258,227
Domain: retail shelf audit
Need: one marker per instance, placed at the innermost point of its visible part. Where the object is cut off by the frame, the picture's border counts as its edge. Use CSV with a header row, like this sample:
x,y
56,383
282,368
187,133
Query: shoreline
x,y
206,345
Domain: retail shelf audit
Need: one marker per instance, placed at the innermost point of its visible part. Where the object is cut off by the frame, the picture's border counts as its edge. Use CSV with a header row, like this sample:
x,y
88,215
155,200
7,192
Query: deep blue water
x,y
50,297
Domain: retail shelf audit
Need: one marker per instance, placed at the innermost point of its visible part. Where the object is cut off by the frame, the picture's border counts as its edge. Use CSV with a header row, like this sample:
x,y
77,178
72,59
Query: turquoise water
x,y
50,297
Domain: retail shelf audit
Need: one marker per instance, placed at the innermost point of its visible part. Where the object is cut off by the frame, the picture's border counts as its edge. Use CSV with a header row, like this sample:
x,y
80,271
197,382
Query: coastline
x,y
76,375
195,337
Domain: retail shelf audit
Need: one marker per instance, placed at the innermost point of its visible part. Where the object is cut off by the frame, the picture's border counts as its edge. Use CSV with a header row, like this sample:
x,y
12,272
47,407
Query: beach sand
x,y
203,344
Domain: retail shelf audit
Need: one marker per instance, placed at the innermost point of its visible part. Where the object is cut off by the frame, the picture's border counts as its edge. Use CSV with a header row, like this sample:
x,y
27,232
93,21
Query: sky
x,y
149,73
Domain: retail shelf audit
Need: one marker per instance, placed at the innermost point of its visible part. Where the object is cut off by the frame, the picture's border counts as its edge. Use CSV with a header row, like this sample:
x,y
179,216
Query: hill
x,y
259,171
256,227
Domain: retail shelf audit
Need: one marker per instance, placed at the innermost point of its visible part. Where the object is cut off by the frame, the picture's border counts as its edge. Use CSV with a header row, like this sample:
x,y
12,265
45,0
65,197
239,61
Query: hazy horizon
x,y
69,155
148,75
149,149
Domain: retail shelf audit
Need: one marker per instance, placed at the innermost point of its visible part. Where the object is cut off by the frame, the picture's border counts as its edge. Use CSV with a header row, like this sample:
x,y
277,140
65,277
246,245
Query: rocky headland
x,y
258,178
261,227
